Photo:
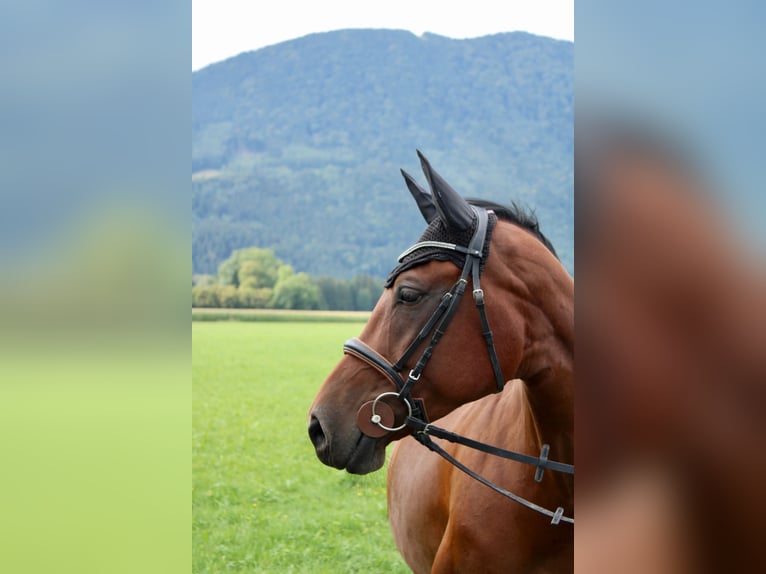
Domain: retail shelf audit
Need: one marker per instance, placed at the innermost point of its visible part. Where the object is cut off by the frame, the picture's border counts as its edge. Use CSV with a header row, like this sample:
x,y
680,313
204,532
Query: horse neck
x,y
547,368
543,296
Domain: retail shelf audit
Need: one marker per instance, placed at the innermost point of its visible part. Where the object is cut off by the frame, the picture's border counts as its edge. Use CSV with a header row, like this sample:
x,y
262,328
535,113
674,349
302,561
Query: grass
x,y
262,501
279,315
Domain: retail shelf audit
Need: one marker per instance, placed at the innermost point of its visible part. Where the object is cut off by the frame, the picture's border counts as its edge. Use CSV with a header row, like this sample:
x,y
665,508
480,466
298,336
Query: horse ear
x,y
452,208
422,198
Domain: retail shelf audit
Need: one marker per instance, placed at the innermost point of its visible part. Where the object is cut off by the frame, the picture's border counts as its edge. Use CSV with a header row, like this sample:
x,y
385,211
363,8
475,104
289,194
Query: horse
x,y
458,362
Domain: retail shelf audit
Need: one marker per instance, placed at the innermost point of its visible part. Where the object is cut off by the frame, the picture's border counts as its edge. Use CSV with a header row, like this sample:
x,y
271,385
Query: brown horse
x,y
443,520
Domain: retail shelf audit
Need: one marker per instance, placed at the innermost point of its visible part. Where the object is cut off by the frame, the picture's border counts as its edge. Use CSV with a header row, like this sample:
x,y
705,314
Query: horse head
x,y
517,323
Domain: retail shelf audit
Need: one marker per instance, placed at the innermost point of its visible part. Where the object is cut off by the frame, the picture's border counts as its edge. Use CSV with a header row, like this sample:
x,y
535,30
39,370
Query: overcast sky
x,y
225,28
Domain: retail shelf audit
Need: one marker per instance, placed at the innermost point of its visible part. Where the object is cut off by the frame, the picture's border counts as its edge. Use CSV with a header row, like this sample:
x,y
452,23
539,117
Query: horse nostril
x,y
316,434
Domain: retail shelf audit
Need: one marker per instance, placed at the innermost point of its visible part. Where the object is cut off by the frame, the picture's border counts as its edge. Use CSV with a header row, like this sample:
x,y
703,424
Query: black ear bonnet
x,y
437,231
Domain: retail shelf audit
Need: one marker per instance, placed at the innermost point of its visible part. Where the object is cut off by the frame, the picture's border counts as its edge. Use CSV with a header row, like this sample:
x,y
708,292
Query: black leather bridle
x,y
438,323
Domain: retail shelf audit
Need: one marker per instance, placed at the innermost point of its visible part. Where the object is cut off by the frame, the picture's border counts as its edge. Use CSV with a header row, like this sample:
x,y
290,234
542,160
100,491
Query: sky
x,y
224,28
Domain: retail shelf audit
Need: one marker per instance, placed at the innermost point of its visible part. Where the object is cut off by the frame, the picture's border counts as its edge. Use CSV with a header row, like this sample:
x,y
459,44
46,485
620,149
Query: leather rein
x,y
375,416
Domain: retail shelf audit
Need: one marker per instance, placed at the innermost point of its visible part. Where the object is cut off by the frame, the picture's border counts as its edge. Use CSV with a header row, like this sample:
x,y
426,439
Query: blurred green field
x,y
262,501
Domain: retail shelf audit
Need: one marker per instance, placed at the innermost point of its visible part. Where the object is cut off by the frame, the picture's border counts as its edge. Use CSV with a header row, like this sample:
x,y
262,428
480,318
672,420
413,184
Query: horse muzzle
x,y
350,450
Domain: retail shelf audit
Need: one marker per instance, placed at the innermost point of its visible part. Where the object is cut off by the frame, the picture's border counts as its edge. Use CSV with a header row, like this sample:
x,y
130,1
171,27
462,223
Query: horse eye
x,y
409,296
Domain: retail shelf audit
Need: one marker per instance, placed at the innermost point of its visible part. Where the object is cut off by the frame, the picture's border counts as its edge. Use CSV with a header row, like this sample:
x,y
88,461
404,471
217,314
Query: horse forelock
x,y
517,215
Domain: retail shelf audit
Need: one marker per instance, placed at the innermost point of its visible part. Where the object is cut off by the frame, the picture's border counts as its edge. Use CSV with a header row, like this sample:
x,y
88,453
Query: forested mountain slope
x,y
297,147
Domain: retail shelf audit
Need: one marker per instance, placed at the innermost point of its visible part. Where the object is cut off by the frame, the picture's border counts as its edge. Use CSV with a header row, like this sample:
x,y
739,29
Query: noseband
x,y
438,323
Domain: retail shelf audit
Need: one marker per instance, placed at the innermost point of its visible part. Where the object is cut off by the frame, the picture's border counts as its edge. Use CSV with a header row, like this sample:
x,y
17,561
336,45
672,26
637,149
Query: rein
x,y
424,431
370,417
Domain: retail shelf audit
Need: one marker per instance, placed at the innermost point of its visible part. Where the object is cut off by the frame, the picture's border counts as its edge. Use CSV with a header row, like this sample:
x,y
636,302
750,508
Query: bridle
x,y
438,322
374,416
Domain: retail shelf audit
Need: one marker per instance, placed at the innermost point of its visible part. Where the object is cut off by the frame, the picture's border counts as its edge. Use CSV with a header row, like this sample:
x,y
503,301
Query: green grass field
x,y
279,315
262,501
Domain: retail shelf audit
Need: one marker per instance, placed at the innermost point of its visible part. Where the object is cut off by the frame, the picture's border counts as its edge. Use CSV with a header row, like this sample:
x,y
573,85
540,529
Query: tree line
x,y
254,278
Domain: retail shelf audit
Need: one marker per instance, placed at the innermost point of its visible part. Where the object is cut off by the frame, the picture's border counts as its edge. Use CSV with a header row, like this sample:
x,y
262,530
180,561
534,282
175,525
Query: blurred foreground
x,y
94,266
671,396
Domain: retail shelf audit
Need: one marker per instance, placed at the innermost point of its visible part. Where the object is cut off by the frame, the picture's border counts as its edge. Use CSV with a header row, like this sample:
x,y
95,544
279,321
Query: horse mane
x,y
517,215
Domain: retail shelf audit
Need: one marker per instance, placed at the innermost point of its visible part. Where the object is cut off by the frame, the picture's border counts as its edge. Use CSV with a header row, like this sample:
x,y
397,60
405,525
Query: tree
x,y
336,294
252,267
255,298
205,297
296,291
284,272
228,296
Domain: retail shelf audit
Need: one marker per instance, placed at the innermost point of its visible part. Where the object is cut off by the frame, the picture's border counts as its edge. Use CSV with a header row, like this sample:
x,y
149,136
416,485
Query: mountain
x,y
297,146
